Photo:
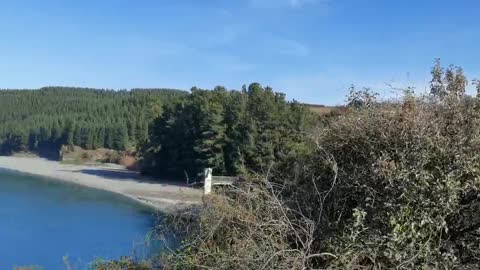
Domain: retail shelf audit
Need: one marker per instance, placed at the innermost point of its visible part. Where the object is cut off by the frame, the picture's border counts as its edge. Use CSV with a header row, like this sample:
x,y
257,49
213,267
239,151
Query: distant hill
x,y
46,118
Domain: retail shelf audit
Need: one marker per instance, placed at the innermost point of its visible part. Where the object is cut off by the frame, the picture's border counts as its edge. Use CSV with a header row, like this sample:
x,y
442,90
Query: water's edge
x,y
134,199
32,226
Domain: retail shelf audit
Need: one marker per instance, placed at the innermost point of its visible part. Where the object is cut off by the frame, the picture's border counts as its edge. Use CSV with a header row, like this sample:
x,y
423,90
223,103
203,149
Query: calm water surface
x,y
41,221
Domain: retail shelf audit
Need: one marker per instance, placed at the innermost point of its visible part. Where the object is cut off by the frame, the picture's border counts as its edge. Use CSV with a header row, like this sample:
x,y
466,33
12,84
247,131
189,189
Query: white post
x,y
208,181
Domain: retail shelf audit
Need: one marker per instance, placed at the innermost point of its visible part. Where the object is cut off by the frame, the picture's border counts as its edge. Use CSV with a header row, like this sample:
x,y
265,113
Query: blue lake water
x,y
41,221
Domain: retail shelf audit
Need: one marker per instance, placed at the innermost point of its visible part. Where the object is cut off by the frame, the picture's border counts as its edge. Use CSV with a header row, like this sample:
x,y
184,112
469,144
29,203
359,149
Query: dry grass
x,y
324,110
249,226
76,155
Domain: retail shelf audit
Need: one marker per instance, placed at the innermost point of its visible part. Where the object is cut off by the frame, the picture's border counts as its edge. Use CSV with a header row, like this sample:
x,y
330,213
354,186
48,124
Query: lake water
x,y
41,221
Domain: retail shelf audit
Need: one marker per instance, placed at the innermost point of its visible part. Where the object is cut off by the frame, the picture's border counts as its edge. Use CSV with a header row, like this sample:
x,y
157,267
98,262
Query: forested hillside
x,y
46,118
229,131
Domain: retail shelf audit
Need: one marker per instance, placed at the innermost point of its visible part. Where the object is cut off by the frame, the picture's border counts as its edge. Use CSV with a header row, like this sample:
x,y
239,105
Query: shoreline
x,y
164,197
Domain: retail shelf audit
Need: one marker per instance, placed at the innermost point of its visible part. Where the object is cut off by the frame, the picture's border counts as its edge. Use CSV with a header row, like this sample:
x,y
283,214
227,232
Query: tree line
x,y
176,133
229,131
47,118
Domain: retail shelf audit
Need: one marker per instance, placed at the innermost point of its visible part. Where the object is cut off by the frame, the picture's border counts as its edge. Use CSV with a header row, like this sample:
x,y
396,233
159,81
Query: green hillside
x,y
31,120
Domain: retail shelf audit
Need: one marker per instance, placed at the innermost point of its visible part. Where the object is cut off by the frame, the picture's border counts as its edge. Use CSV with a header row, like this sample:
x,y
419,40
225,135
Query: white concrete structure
x,y
208,181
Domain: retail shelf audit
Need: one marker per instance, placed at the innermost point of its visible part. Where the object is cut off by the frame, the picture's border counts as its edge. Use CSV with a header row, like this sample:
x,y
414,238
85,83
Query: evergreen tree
x,y
54,116
230,131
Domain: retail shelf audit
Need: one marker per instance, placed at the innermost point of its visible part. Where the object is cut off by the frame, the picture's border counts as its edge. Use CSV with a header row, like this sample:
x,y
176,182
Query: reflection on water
x,y
41,221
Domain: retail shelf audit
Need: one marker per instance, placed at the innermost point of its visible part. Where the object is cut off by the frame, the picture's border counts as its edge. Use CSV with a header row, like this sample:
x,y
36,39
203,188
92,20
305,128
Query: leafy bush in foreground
x,y
392,185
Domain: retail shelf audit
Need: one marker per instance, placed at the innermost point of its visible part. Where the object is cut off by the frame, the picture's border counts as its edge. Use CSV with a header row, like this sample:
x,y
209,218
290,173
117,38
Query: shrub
x,y
383,186
121,264
247,227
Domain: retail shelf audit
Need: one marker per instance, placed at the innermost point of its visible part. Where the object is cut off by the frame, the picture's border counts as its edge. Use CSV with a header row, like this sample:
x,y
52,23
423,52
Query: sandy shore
x,y
166,197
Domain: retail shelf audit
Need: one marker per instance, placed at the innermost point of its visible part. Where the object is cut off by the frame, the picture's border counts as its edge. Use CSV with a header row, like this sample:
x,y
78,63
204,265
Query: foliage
x,y
409,170
121,264
391,185
229,131
47,118
363,98
447,83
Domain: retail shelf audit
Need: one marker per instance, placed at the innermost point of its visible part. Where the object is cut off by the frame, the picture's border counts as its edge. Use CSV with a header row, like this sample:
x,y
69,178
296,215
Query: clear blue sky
x,y
310,49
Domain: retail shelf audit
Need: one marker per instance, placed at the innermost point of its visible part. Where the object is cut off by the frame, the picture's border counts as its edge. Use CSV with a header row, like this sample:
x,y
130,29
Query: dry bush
x,y
121,264
129,161
385,186
245,227
407,190
111,157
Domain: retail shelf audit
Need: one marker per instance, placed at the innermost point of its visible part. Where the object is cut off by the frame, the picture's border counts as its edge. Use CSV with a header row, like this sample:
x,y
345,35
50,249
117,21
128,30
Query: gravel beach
x,y
161,195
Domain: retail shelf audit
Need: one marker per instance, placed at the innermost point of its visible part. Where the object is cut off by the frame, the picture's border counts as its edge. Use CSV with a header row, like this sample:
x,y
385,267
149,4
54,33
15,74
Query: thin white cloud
x,y
170,49
225,35
227,63
300,3
282,3
291,48
231,33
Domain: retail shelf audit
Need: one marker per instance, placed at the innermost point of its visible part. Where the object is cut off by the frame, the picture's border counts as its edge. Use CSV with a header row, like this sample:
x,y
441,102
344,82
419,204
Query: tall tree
x,y
230,131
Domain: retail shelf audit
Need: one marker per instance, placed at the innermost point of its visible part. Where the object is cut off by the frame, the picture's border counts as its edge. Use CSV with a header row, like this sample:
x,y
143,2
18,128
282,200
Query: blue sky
x,y
310,49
